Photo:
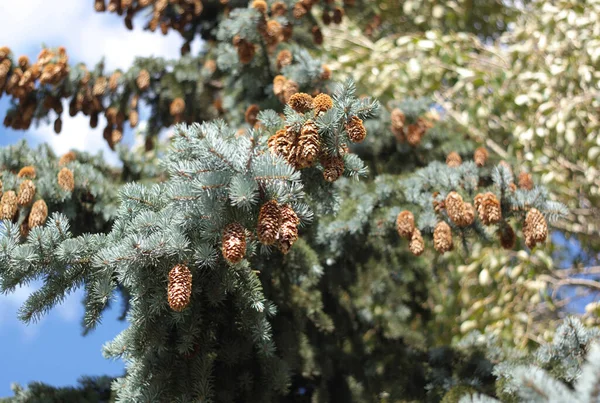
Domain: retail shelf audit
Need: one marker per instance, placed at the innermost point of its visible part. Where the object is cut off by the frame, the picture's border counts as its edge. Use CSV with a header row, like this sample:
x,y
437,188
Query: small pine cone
x,y
455,207
414,134
416,245
27,172
326,73
26,193
252,114
480,157
317,35
134,118
133,104
38,214
322,103
288,233
334,168
398,119
66,179
442,237
488,207
116,135
299,10
405,224
177,107
301,102
309,144
269,222
99,6
23,62
100,86
453,160
24,228
260,5
273,32
282,143
356,130
180,287
67,158
234,243
338,13
278,9
113,82
507,236
143,80
525,181
290,88
284,58
9,205
246,51
278,84
468,215
535,228
58,125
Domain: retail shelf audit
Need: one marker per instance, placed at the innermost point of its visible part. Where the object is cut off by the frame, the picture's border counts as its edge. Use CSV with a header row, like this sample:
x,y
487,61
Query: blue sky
x,y
53,350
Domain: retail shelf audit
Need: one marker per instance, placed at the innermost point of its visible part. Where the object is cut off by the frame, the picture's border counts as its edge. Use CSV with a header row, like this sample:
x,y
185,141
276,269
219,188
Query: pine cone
x,y
308,145
38,214
234,243
414,134
99,6
317,35
58,125
453,160
507,236
100,86
326,73
442,237
278,85
284,58
251,114
143,80
177,107
27,172
273,32
24,229
134,118
301,102
289,88
67,158
535,228
299,10
246,51
455,207
113,82
66,180
356,130
416,245
322,103
398,119
278,9
480,157
260,5
333,167
525,181
405,224
468,215
488,208
288,233
269,222
180,287
338,13
9,205
26,193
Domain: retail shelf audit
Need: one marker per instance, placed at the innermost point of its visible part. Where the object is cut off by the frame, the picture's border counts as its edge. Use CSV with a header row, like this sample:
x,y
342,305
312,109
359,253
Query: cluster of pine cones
x,y
462,214
302,147
411,133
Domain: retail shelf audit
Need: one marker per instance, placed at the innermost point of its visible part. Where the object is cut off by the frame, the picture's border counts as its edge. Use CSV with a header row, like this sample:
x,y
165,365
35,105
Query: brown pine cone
x,y
278,9
507,236
525,181
251,114
284,58
453,160
234,243
308,146
322,103
38,214
535,228
260,5
27,172
455,207
283,143
179,291
289,88
356,130
334,168
177,107
480,157
288,233
26,193
143,80
8,205
417,245
67,158
66,179
442,237
269,222
488,208
405,224
301,102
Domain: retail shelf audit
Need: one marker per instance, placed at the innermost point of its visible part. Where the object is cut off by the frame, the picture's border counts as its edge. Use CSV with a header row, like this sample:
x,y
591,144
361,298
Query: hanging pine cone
x,y
58,125
488,208
67,158
99,6
480,157
278,9
143,80
525,181
455,207
100,86
333,167
113,82
453,160
134,118
26,193
179,291
246,51
234,243
414,134
338,13
405,224
283,143
260,5
356,130
301,102
308,145
177,107
398,118
38,214
9,205
322,103
299,10
251,115
317,35
288,233
326,73
27,172
284,58
468,215
416,245
24,228
278,85
269,222
442,237
535,228
289,88
507,236
66,179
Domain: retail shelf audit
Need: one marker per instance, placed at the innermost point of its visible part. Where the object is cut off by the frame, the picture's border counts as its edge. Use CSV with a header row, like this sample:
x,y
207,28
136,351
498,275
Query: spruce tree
x,y
296,239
